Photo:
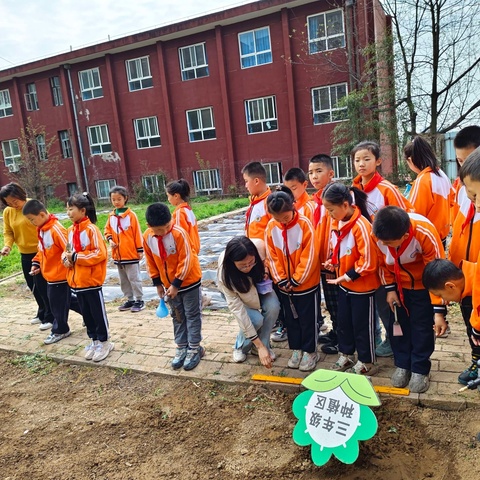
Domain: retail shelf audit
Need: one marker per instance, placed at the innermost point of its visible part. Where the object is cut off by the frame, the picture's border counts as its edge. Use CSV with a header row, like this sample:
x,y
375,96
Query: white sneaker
x,y
35,321
295,359
90,349
309,361
343,363
45,326
238,355
272,355
102,350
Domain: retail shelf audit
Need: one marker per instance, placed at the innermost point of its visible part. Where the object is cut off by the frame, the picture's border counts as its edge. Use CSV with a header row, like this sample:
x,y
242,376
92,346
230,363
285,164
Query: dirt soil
x,y
60,421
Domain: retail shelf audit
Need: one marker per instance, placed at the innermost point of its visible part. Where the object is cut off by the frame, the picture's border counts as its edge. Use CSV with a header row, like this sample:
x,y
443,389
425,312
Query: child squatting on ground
x,y
175,271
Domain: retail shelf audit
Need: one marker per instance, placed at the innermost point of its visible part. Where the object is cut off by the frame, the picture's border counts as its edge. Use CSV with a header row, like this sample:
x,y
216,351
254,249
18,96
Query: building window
x,y
11,154
146,132
326,31
41,147
342,168
103,187
261,115
5,104
72,188
138,73
154,183
90,84
99,139
200,124
193,61
255,47
31,100
65,143
274,173
207,181
324,101
56,91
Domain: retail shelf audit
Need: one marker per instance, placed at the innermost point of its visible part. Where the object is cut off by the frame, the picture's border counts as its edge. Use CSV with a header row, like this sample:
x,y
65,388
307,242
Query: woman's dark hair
x,y
12,190
282,200
120,190
84,200
421,154
336,193
181,187
238,248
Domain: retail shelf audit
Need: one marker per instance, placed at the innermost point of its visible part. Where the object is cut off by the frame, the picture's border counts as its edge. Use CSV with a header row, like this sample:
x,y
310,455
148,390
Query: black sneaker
x,y
330,348
193,358
329,337
126,306
138,306
471,373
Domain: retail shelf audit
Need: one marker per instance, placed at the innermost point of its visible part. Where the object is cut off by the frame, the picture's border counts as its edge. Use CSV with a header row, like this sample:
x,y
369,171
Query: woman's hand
x,y
5,251
264,356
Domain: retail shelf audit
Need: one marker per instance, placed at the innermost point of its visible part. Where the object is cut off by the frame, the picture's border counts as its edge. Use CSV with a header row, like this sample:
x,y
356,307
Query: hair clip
x,y
85,194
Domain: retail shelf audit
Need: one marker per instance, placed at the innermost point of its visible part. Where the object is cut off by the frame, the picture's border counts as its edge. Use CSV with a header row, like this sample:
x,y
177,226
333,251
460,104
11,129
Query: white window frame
x,y
93,89
274,171
256,113
198,70
31,99
56,88
337,161
65,143
205,132
72,188
153,183
256,53
6,109
329,40
9,149
103,144
41,146
151,133
139,74
101,184
334,113
207,181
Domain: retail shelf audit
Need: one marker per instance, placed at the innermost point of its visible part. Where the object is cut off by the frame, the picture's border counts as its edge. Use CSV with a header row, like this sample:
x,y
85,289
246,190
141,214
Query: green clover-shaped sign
x,y
334,417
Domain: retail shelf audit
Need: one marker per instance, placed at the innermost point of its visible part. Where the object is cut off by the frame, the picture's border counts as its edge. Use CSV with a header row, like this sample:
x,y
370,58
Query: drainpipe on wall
x,y
77,127
350,12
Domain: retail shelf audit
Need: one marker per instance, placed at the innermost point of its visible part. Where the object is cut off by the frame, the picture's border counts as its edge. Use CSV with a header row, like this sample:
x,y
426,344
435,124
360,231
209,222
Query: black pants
x,y
61,301
93,311
38,286
466,308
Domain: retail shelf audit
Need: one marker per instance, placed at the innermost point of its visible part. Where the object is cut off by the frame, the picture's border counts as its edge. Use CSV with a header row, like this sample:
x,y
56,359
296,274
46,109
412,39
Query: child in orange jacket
x,y
122,232
296,180
354,259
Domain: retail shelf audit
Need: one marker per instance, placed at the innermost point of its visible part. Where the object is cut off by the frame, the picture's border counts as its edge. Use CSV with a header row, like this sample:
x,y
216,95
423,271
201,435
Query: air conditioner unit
x,y
13,168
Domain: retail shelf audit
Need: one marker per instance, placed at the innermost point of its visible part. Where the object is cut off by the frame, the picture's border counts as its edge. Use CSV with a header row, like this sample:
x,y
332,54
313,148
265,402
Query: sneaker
x,y
278,324
343,363
361,368
329,337
280,335
179,358
35,321
295,359
384,349
446,333
138,306
45,326
102,350
126,306
419,383
378,340
90,349
56,337
471,373
193,358
401,377
309,362
254,350
238,355
329,349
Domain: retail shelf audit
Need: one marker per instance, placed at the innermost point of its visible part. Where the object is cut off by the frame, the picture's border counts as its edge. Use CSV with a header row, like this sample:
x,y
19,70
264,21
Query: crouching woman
x,y
242,279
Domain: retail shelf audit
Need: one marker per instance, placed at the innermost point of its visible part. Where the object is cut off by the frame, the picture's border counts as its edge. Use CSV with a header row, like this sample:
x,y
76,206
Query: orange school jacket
x,y
257,216
305,206
322,228
124,230
432,196
181,268
51,245
457,186
184,217
90,262
358,255
300,265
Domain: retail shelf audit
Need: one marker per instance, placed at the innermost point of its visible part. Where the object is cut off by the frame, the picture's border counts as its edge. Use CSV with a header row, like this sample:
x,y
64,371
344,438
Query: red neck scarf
x,y
372,183
249,211
396,254
470,215
161,246
285,237
119,223
76,235
51,219
342,233
317,197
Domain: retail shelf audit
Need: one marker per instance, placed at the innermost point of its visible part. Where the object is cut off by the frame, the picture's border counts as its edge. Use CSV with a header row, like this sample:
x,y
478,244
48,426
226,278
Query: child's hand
x,y
66,262
172,291
441,325
328,265
34,271
5,251
287,288
393,300
140,255
339,280
161,291
112,243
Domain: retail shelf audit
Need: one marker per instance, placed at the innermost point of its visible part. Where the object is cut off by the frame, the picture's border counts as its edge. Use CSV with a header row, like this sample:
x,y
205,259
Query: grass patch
x,y
38,363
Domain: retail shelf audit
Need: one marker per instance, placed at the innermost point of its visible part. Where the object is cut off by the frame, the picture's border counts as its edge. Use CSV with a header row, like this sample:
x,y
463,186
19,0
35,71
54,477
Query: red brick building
x,y
196,99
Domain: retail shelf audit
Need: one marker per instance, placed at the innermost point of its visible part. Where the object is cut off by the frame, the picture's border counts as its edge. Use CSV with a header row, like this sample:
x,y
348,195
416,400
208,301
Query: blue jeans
x,y
262,321
186,313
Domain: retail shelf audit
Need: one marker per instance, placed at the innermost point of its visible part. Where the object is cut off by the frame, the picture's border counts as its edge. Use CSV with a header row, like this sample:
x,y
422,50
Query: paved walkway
x,y
144,343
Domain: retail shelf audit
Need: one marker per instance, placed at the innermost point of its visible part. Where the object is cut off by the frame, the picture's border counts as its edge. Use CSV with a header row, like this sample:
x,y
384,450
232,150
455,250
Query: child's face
x,y
297,188
365,163
254,185
75,214
174,199
337,212
162,230
118,200
38,220
284,217
473,191
319,175
463,153
452,292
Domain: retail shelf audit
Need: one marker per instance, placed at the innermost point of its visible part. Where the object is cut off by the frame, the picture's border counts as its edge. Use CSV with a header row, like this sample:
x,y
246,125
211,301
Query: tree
x,y
38,169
